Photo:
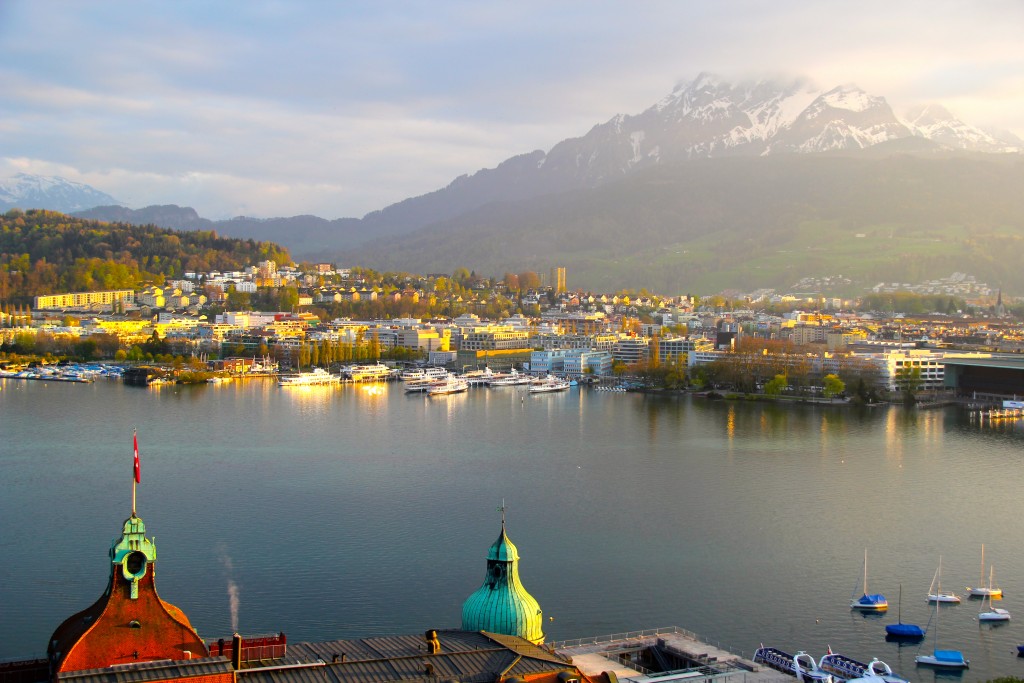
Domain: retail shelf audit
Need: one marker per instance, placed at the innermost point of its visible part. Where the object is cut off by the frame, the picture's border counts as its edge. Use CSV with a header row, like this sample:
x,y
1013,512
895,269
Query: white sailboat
x,y
982,590
935,593
993,613
942,659
874,602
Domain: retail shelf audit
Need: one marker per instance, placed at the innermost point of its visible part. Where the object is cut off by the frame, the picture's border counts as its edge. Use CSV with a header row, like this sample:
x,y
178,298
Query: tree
x,y
775,386
833,386
908,380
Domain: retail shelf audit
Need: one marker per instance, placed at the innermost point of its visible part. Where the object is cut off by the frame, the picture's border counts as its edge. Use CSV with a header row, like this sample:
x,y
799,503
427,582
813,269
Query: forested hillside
x,y
45,252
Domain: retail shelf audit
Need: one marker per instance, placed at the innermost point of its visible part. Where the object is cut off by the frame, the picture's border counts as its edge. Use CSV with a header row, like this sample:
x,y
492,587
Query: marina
x,y
401,494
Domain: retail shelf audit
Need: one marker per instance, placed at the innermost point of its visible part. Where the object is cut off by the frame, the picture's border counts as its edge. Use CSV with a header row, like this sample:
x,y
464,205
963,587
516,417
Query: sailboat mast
x,y
865,571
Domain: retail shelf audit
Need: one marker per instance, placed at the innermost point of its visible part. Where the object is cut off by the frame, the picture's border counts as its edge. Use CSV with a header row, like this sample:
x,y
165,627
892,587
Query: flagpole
x,y
135,467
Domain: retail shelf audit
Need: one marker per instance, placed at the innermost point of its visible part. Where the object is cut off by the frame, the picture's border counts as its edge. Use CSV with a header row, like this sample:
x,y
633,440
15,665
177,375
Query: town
x,y
300,316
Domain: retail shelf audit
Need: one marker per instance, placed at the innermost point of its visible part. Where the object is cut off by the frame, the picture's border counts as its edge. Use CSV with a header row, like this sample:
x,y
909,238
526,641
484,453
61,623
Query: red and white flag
x,y
138,470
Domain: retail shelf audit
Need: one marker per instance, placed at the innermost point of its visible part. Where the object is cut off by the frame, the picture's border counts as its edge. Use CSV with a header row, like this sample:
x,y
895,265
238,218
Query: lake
x,y
344,512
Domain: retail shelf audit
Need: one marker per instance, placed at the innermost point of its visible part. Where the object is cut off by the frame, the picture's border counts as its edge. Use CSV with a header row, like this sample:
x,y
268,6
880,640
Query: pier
x,y
663,654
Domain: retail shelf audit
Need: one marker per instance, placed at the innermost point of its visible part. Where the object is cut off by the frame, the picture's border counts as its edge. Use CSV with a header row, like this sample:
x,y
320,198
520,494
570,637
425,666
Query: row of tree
x,y
45,252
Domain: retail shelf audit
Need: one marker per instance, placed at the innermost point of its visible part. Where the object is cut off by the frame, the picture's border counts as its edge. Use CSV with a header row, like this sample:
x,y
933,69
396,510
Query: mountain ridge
x,y
707,118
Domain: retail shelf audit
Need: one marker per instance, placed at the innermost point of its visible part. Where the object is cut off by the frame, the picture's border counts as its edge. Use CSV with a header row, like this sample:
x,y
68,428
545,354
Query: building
x,y
558,280
84,300
501,604
495,338
129,623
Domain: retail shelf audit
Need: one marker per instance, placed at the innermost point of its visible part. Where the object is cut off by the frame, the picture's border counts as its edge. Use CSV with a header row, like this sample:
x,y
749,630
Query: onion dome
x,y
501,604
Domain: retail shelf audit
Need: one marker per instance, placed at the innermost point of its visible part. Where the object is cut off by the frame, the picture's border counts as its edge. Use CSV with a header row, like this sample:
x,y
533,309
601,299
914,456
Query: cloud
x,y
274,108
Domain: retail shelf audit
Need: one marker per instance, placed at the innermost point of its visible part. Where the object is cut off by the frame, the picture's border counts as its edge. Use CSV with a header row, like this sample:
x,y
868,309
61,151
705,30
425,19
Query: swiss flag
x,y
138,470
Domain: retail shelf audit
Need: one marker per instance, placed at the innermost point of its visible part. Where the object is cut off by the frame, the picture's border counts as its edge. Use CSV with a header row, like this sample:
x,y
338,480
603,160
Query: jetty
x,y
663,654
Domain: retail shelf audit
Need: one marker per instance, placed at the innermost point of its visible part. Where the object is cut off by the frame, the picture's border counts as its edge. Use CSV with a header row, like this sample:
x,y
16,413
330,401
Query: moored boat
x,y
376,372
993,614
514,378
899,630
845,668
452,385
549,384
982,590
938,595
874,602
943,659
801,664
315,377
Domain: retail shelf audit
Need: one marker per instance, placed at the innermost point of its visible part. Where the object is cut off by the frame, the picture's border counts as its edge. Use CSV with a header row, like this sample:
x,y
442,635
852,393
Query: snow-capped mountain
x,y
712,118
25,191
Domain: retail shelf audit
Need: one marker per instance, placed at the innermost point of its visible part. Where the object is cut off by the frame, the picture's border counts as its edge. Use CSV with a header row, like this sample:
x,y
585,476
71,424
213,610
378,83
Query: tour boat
x,y
874,602
845,668
511,380
452,385
549,384
801,665
316,377
375,372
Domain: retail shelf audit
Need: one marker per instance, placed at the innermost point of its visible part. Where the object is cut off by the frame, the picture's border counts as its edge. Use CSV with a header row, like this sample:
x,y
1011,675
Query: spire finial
x,y
502,510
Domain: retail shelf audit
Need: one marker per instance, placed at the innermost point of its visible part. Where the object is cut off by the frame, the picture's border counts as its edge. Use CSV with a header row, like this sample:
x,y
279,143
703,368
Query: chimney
x,y
236,651
433,644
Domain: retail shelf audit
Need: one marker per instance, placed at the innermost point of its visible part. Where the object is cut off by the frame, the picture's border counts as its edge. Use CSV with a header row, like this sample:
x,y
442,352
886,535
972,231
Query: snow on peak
x,y
850,98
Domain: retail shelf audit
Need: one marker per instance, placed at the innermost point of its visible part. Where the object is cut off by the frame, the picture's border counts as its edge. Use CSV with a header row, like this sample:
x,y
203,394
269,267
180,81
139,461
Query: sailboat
x,y
874,602
902,631
945,659
993,613
937,595
982,591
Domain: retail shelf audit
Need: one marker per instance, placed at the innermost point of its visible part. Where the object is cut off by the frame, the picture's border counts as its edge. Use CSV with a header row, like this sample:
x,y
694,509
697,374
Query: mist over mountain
x,y
541,208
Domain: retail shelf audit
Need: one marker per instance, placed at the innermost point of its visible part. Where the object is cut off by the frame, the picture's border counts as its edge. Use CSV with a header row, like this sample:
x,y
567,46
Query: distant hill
x,y
46,252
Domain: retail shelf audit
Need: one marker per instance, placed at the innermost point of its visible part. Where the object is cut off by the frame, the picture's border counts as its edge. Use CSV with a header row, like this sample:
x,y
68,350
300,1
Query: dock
x,y
663,654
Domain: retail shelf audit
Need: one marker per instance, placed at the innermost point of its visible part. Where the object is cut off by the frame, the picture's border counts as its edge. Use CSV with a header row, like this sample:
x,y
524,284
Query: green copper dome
x,y
502,605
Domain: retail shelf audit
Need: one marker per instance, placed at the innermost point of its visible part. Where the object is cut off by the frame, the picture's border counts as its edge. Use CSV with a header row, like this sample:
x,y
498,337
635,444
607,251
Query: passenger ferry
x,y
453,385
377,372
316,377
549,384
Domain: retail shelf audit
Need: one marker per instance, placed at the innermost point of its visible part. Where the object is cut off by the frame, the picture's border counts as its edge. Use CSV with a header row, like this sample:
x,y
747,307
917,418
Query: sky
x,y
280,108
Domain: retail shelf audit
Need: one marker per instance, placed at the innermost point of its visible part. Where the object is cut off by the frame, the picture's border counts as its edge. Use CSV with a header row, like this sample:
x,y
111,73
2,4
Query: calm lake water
x,y
336,512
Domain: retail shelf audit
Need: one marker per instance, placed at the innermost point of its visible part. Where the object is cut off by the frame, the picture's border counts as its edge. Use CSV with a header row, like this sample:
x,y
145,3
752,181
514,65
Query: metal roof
x,y
150,671
1003,363
465,656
